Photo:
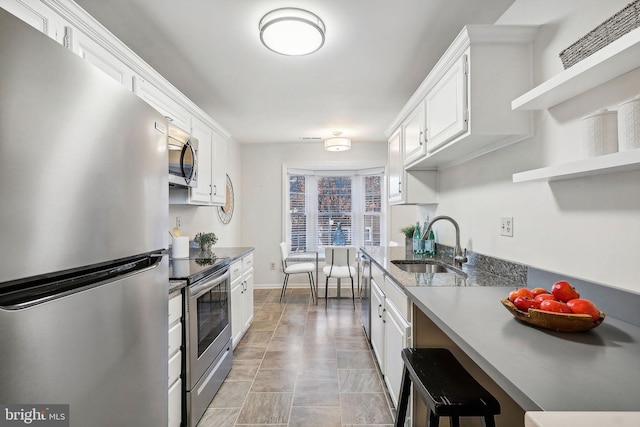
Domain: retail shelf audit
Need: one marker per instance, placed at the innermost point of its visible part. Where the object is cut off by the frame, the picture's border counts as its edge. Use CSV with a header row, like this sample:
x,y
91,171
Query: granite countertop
x,y
539,369
183,270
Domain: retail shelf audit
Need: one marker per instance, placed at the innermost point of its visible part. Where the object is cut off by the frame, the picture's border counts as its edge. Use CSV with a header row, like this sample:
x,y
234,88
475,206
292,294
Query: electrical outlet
x,y
178,222
506,226
273,266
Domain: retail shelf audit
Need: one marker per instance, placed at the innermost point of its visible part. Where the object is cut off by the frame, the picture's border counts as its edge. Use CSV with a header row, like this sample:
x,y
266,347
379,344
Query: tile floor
x,y
301,365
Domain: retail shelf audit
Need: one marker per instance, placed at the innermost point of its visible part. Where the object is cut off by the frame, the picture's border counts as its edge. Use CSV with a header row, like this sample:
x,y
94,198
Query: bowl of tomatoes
x,y
560,309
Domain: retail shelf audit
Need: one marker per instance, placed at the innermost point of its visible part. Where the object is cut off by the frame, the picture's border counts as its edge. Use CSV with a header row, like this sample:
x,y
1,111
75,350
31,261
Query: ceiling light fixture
x,y
292,31
337,143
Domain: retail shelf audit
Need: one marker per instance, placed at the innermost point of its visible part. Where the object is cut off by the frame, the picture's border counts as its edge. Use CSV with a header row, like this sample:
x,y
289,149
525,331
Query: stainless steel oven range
x,y
207,334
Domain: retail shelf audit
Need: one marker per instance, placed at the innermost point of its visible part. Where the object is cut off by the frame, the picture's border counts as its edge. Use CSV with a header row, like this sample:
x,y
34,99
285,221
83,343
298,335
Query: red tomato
x,y
584,306
555,306
539,291
520,292
525,303
543,297
564,291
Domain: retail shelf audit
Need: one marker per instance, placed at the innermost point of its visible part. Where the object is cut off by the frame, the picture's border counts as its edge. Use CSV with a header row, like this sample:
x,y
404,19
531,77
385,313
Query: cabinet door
x,y
446,106
204,135
377,323
166,106
39,16
414,136
102,59
247,302
175,404
237,325
219,170
396,334
396,167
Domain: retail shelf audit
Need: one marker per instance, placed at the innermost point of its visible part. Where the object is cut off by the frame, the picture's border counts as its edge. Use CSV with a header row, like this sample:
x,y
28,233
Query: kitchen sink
x,y
426,266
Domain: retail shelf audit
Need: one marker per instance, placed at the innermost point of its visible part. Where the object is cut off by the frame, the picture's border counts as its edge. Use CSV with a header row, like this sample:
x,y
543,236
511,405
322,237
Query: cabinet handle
x,y
215,190
383,319
169,119
379,307
420,137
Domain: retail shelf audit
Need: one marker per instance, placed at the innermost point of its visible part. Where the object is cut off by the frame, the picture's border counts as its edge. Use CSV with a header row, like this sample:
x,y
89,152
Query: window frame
x,y
358,174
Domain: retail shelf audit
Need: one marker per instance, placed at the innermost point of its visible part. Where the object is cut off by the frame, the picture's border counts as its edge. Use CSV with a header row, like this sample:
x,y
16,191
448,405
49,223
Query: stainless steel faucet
x,y
458,257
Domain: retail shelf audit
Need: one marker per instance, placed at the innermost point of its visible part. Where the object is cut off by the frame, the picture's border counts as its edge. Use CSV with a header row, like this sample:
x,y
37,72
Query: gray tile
x,y
364,408
266,408
267,315
318,370
305,416
287,330
272,306
316,393
359,381
243,370
249,351
273,380
289,360
355,360
231,394
219,417
252,337
264,325
351,343
285,344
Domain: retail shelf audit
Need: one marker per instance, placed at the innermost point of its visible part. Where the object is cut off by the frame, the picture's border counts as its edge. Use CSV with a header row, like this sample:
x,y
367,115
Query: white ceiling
x,y
376,54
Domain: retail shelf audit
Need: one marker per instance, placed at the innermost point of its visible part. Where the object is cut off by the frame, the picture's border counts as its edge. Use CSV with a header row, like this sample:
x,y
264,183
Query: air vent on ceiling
x,y
311,138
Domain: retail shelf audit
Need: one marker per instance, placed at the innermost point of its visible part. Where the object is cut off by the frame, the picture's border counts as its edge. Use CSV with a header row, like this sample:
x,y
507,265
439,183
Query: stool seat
x,y
445,386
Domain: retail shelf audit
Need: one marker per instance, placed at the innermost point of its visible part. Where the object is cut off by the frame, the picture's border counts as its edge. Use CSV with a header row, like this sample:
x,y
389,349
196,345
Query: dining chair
x,y
296,268
341,261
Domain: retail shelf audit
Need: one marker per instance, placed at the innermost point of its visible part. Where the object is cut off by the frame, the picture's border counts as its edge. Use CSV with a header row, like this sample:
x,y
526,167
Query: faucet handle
x,y
461,259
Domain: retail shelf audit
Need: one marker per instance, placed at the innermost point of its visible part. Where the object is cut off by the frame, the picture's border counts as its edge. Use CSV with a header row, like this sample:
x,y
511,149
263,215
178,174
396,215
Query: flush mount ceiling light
x,y
337,143
292,31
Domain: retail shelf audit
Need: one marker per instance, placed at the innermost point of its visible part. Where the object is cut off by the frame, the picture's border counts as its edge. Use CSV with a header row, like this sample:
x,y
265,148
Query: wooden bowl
x,y
560,322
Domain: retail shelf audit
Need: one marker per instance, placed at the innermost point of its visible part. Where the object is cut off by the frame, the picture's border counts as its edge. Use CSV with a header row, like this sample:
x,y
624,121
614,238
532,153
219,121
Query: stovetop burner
x,y
195,267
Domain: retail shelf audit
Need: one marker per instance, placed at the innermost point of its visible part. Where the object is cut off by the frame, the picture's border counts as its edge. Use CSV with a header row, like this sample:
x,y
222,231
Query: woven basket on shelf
x,y
612,29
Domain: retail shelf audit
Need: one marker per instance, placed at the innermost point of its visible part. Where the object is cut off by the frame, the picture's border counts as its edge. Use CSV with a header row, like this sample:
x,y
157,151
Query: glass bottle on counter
x,y
417,238
430,241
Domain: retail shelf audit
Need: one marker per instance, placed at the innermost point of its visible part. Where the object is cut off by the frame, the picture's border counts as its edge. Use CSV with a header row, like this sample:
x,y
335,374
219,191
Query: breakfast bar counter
x,y
530,368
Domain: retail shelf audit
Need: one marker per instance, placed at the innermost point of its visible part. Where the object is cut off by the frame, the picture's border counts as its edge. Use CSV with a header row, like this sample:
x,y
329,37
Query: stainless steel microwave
x,y
183,158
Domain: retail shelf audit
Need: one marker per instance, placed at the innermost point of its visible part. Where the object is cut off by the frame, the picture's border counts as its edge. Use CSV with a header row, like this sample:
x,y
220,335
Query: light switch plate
x,y
506,226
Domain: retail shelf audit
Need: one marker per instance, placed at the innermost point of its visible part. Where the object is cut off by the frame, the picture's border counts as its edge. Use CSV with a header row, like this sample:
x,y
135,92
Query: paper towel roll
x,y
629,124
180,247
600,133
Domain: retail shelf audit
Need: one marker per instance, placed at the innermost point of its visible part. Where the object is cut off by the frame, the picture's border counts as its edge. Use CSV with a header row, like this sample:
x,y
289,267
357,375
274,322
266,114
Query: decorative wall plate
x,y
226,212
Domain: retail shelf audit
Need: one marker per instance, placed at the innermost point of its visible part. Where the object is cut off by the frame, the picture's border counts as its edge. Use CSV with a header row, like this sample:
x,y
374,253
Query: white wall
x,y
262,212
588,227
205,218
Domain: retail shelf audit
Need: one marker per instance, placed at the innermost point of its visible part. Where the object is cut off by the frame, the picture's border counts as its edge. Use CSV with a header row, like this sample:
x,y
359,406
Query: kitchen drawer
x,y
396,295
175,404
247,262
175,367
175,338
235,271
377,275
175,309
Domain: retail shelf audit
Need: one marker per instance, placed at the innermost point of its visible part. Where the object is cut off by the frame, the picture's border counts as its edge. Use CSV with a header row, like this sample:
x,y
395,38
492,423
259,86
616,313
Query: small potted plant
x,y
408,234
205,240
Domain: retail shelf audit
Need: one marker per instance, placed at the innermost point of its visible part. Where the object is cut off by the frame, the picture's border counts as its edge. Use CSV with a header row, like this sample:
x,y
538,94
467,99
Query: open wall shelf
x,y
614,60
615,162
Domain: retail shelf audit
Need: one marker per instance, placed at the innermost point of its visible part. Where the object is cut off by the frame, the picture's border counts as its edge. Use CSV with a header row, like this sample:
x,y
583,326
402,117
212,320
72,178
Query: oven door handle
x,y
197,290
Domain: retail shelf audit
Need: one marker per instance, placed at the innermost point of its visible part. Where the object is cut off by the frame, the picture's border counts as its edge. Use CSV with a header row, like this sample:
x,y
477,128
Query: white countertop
x,y
582,419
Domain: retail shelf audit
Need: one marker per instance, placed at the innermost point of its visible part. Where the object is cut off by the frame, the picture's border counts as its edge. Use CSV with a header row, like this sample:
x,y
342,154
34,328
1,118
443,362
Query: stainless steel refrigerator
x,y
83,220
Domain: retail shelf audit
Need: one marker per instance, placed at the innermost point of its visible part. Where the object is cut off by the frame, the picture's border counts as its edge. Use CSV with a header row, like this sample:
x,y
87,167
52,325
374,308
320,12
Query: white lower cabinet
x,y
241,273
175,361
390,333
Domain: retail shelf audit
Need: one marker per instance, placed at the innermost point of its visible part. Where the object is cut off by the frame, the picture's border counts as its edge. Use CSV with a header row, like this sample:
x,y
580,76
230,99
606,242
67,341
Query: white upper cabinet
x,y
88,49
446,106
466,98
219,169
414,134
396,169
164,104
202,193
39,16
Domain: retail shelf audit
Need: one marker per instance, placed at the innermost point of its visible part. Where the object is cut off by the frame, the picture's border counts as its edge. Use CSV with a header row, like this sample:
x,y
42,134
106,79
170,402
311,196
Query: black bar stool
x,y
445,386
